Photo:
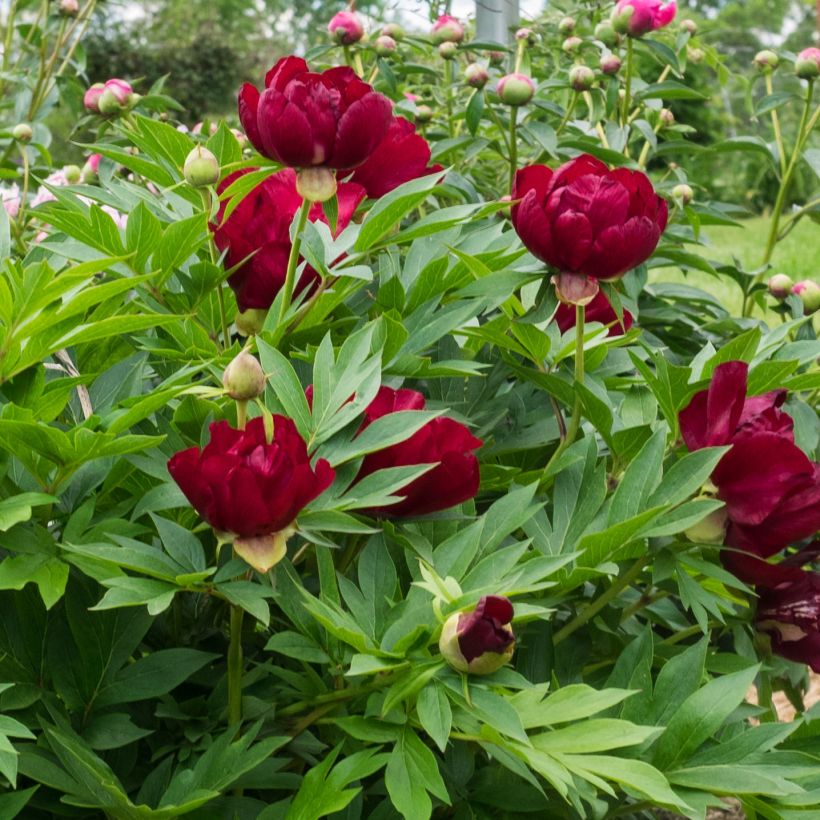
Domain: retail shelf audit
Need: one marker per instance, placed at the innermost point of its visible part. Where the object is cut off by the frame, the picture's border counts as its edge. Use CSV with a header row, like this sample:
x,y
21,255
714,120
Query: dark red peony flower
x,y
598,310
770,487
442,441
256,235
585,219
790,614
306,118
243,485
481,641
401,156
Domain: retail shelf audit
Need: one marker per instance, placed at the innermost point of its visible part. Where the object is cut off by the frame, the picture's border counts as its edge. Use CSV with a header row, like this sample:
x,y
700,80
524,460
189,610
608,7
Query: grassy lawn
x,y
796,255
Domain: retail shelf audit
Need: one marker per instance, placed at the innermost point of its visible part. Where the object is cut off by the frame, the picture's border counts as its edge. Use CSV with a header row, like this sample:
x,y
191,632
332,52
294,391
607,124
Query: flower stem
x,y
599,603
513,145
778,134
235,668
293,261
207,203
448,91
627,90
568,113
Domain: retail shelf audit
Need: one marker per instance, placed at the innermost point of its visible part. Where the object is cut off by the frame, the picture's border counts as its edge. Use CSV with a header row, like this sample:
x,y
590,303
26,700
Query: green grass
x,y
796,255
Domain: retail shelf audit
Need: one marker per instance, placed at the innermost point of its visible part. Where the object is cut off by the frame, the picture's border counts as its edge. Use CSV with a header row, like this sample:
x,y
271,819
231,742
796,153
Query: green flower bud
x,y
250,322
809,294
22,132
244,378
317,184
766,60
711,530
201,168
581,78
780,285
683,192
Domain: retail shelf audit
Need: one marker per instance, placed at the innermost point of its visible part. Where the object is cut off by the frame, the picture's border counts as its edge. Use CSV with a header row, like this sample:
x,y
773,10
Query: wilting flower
x,y
443,441
401,156
598,310
637,17
305,118
770,487
585,219
790,614
346,27
249,488
481,641
256,236
447,29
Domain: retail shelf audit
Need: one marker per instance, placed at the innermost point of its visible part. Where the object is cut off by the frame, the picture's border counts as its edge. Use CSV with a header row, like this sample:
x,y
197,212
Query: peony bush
x,y
359,458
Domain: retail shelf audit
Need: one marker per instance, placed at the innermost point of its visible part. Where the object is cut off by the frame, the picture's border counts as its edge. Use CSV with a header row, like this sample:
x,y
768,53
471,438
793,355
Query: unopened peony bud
x,y
689,26
710,530
684,193
566,25
481,641
91,99
424,114
515,89
766,60
610,64
695,55
385,45
572,44
447,29
476,75
620,19
448,50
394,30
201,168
809,294
607,34
780,285
346,28
526,35
581,78
666,117
91,169
69,8
807,65
250,322
113,100
22,132
244,378
72,173
496,58
316,184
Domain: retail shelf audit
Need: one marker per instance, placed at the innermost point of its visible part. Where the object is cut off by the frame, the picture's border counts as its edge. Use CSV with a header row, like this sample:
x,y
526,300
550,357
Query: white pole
x,y
496,20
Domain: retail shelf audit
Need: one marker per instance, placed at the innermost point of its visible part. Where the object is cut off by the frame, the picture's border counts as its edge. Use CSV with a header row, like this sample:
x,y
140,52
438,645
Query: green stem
x,y
627,89
235,668
241,414
513,145
293,261
448,91
207,202
599,603
778,134
568,114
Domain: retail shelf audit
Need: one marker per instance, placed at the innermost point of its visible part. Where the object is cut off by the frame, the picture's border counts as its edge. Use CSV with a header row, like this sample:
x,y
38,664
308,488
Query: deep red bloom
x,y
598,310
584,218
401,156
304,118
256,235
486,629
241,484
443,441
790,613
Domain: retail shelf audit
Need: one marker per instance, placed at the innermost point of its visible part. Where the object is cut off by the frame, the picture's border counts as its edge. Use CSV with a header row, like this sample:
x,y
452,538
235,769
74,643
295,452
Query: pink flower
x,y
11,200
637,17
346,27
120,89
447,29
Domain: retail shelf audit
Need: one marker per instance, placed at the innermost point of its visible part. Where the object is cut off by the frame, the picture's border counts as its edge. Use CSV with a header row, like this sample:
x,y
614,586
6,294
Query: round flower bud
x,y
581,78
89,174
22,132
689,26
424,114
385,45
607,34
393,30
448,50
526,35
666,117
316,184
766,60
515,89
566,25
610,64
69,8
476,75
809,294
482,641
244,378
572,44
620,19
250,322
447,29
711,530
201,168
91,98
346,28
109,103
683,192
807,65
496,58
695,55
780,285
72,173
